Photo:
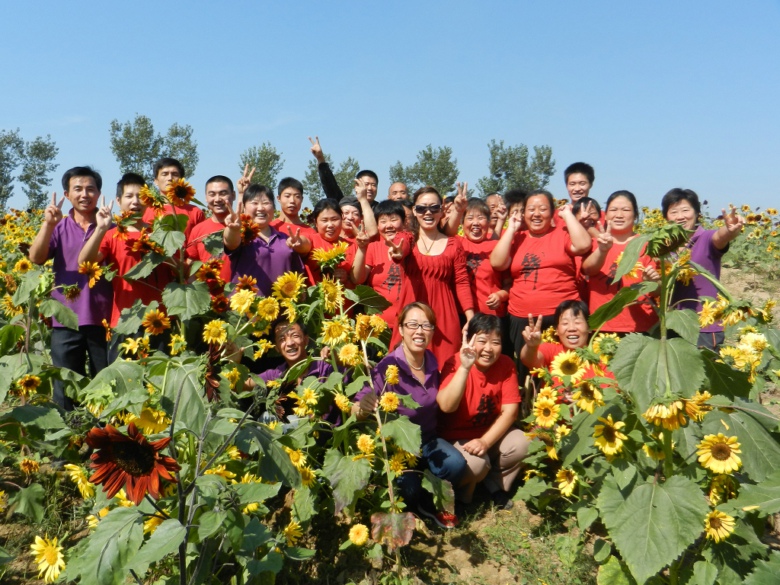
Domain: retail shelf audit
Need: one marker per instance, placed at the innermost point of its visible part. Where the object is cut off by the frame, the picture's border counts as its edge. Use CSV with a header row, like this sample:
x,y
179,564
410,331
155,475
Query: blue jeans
x,y
444,461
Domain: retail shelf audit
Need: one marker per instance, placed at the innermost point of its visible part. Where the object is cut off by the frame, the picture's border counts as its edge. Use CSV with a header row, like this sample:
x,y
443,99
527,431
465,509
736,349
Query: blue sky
x,y
655,94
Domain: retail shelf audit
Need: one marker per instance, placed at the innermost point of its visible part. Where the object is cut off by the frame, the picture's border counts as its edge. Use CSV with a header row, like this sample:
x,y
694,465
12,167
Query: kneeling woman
x,y
479,400
418,377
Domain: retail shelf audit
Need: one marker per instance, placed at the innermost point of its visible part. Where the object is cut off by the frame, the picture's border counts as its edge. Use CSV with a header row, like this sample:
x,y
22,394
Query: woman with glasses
x,y
436,275
418,377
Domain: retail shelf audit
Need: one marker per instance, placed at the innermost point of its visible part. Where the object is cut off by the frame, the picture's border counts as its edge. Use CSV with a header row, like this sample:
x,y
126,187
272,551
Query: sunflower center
x,y
135,459
569,368
586,392
721,451
609,434
50,555
546,411
715,523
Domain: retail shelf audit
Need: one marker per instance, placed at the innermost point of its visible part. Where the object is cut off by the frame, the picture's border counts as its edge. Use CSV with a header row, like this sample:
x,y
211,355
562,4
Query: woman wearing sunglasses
x,y
436,275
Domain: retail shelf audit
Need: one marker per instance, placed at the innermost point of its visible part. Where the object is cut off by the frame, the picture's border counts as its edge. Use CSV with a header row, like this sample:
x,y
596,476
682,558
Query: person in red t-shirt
x,y
166,172
571,324
219,199
479,401
602,264
327,219
290,196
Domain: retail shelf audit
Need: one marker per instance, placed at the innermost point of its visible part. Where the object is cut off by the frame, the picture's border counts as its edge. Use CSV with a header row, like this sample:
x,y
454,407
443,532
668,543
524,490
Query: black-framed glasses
x,y
423,209
414,326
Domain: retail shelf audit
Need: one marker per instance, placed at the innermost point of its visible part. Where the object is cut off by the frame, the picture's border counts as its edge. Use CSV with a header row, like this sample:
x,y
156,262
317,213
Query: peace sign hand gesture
x,y
316,149
605,239
468,354
104,217
733,221
461,196
53,213
245,180
362,239
293,241
532,334
233,219
395,253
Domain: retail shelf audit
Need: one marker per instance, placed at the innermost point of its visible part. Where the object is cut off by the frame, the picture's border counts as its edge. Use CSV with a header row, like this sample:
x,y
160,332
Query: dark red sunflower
x,y
249,229
209,270
129,461
180,192
219,303
145,245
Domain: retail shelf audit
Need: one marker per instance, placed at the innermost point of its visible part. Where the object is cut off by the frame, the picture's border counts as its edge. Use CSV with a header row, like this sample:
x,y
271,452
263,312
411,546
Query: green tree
x,y
11,152
510,168
37,164
434,167
345,177
136,146
266,161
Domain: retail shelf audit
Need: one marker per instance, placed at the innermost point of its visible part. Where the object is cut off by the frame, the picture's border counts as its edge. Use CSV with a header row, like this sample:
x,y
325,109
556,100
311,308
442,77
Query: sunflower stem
x,y
137,580
668,463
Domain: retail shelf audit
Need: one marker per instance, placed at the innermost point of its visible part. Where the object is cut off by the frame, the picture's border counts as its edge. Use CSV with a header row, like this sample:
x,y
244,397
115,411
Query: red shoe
x,y
443,518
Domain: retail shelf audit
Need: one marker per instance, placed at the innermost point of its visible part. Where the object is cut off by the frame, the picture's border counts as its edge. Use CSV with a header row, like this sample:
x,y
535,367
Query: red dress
x,y
437,281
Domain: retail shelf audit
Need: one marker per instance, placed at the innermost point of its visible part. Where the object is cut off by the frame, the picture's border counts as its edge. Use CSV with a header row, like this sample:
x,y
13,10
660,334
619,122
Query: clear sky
x,y
654,94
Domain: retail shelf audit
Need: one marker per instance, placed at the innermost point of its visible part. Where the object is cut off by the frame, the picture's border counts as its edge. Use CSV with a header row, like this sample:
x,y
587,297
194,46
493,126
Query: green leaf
x,y
184,382
441,489
299,554
580,440
631,256
130,319
163,542
304,504
28,502
37,420
123,378
255,534
63,314
394,529
654,523
532,488
109,551
766,572
30,282
145,267
275,464
5,557
170,222
704,573
256,492
614,572
404,434
368,297
725,380
214,244
347,477
686,323
9,337
210,522
765,495
601,550
686,441
586,516
613,308
171,241
186,300
271,563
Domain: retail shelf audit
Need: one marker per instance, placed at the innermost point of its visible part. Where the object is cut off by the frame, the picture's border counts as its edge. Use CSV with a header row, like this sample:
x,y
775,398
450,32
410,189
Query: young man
x,y
579,179
166,172
290,196
329,184
219,200
60,239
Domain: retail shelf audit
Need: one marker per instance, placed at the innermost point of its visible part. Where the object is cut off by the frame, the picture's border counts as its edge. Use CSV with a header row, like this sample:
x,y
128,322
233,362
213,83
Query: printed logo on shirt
x,y
485,411
473,262
530,266
393,278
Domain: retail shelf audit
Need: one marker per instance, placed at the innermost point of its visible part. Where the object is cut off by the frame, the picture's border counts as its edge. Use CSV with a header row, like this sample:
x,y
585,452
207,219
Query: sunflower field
x,y
660,452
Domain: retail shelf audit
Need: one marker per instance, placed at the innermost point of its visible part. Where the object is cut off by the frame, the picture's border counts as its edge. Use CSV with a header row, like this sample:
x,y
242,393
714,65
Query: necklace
x,y
420,369
427,249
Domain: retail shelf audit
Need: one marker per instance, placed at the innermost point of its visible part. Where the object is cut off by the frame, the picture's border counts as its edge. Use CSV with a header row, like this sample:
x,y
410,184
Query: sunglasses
x,y
423,209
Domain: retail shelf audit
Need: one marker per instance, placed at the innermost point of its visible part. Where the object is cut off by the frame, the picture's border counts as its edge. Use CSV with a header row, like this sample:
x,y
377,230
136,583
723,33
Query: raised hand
x,y
245,180
362,239
293,241
461,196
501,214
360,189
532,334
733,221
565,210
395,253
316,149
651,274
604,239
467,353
53,212
233,219
104,216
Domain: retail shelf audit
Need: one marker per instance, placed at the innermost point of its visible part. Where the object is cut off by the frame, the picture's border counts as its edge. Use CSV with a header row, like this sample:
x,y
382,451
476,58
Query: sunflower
x,y
152,421
9,308
268,309
129,461
29,466
568,364
335,331
28,384
546,412
330,258
92,271
343,402
605,344
153,521
669,416
349,355
358,534
362,327
242,301
567,481
144,245
177,344
332,294
215,332
232,376
288,286
250,231
718,525
391,375
397,462
722,488
548,393
155,322
293,533
221,471
247,282
78,475
71,292
22,266
389,402
608,437
150,198
719,453
49,557
263,347
219,303
180,192
365,444
561,431
550,335
587,396
210,270
308,476
290,310
3,501
697,406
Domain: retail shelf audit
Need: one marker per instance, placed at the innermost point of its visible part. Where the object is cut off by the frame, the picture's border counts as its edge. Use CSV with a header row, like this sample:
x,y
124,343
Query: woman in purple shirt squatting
x,y
418,377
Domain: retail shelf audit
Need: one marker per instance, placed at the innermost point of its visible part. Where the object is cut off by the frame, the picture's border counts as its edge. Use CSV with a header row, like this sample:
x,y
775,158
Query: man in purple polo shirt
x,y
61,239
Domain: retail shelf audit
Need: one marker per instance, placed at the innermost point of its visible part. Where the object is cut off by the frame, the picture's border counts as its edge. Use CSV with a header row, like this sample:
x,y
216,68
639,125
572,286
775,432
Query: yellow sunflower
x,y
308,476
268,309
349,354
588,396
722,488
719,453
391,374
608,437
78,475
336,331
29,466
362,327
49,558
332,294
567,481
669,416
242,301
605,344
343,402
155,322
330,258
263,347
28,384
365,444
92,270
246,282
718,525
180,192
177,344
297,457
215,332
546,412
389,402
288,286
697,406
23,265
550,335
358,534
293,533
397,462
568,364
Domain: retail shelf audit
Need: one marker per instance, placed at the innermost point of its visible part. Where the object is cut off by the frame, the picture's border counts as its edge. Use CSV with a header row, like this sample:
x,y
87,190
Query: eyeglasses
x,y
414,326
423,209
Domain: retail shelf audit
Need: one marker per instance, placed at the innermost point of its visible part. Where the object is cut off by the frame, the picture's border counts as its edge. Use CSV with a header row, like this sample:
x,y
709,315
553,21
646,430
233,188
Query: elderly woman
x,y
479,401
418,377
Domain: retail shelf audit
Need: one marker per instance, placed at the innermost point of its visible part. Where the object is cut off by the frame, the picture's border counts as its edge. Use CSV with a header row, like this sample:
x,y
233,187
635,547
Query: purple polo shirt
x,y
93,304
266,261
705,254
423,394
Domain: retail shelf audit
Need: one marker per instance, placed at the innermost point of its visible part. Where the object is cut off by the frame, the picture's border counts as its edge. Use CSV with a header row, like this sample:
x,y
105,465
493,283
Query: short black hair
x,y
582,202
514,197
128,179
322,205
255,191
288,182
580,167
367,173
483,323
167,161
390,207
628,195
351,202
577,307
81,172
221,179
478,204
676,195
544,193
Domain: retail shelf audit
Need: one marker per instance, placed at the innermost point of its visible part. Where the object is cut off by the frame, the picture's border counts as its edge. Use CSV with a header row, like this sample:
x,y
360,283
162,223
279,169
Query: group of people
x,y
471,284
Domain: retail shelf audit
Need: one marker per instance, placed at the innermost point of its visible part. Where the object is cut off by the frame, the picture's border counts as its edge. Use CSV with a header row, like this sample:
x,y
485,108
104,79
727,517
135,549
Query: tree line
x,y
136,145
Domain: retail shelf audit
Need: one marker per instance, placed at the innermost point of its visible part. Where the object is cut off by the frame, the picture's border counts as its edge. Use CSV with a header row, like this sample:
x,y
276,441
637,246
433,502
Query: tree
x,y
137,146
509,168
267,162
37,164
11,152
434,167
345,177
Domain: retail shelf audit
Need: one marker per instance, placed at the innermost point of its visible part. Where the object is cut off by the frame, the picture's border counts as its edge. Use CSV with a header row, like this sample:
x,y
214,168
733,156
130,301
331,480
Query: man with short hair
x,y
61,239
332,190
219,200
579,179
498,213
397,192
168,171
290,196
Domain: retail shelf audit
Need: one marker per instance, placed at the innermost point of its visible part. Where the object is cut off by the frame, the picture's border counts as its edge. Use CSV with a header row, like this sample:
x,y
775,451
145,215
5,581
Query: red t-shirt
x,y
543,271
320,243
194,215
484,280
481,404
386,276
195,248
119,253
638,317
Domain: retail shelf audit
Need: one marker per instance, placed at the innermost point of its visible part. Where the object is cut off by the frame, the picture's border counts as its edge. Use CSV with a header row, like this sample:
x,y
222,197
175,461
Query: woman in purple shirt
x,y
418,377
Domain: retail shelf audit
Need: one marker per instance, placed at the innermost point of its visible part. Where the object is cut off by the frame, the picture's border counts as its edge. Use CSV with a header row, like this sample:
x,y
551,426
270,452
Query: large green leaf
x,y
763,498
725,380
9,337
685,323
404,434
184,382
614,307
704,573
130,319
654,523
30,282
766,572
63,314
109,551
170,222
580,440
347,477
165,541
28,502
171,241
37,420
145,267
394,529
123,378
686,440
614,572
368,297
186,300
641,365
275,464
631,256
214,244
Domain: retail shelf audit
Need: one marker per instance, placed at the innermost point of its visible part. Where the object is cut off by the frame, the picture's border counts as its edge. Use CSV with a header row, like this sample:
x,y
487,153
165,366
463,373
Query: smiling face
x,y
329,225
496,204
487,346
428,211
83,194
219,196
260,209
397,192
578,186
573,330
620,215
682,213
587,216
291,342
415,338
351,219
290,201
538,214
371,185
389,225
475,225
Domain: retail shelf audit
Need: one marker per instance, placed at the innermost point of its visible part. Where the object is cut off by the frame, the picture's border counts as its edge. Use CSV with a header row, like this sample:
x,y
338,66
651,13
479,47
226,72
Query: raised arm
x,y
39,249
358,272
595,260
328,181
500,257
451,394
103,218
580,238
297,242
731,228
231,235
455,215
369,221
